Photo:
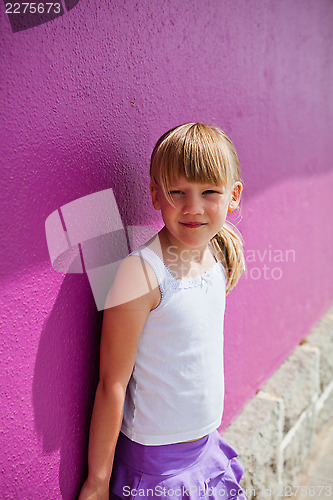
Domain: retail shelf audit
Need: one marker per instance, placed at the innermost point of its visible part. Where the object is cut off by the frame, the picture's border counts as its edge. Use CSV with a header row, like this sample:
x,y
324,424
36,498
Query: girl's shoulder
x,y
135,279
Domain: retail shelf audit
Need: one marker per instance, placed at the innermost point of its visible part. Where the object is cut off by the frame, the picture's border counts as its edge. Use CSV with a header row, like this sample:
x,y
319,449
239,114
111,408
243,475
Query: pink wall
x,y
85,97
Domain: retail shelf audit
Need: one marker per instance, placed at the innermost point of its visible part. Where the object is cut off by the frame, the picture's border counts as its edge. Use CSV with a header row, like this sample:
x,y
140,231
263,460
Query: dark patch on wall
x,y
25,15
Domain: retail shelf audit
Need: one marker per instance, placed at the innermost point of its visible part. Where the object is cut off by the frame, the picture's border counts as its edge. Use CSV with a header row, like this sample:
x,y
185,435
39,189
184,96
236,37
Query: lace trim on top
x,y
184,283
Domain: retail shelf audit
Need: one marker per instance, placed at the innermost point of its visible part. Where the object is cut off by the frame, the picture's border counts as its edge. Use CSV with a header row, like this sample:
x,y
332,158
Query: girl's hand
x,y
94,491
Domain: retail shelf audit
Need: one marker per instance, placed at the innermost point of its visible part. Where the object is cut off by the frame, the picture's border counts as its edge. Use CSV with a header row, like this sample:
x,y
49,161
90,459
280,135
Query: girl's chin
x,y
189,238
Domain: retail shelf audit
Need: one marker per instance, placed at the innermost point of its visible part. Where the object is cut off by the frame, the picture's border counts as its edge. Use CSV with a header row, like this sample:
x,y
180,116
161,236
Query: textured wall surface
x,y
84,98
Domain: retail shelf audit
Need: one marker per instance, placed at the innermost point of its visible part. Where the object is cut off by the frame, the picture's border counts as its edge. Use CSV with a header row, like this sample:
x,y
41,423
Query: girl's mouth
x,y
192,225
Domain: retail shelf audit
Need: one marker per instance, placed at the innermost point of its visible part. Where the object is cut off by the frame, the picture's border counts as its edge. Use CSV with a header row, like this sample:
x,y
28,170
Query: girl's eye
x,y
175,192
211,191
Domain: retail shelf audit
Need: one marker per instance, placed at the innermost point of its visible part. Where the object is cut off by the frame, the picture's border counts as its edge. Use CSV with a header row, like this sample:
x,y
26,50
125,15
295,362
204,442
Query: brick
x,y
296,381
324,407
256,434
321,337
296,446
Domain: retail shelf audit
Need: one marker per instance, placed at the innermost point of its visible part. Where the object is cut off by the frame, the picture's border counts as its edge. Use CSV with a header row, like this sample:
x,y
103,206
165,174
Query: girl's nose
x,y
193,206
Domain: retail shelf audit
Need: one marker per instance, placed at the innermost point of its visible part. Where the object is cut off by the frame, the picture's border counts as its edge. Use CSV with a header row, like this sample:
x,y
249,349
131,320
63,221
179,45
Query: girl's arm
x,y
134,293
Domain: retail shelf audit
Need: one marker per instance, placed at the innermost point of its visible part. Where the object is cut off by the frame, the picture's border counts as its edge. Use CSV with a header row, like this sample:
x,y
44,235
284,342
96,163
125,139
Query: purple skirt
x,y
203,469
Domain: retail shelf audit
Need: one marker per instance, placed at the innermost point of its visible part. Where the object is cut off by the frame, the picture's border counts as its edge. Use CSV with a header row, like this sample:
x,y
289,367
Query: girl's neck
x,y
181,260
171,246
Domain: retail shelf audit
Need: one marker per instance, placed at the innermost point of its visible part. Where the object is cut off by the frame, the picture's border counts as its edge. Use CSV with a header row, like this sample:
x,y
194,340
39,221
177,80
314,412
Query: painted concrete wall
x,y
84,98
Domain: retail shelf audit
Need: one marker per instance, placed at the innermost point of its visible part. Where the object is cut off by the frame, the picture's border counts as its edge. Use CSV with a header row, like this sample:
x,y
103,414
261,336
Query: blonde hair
x,y
202,153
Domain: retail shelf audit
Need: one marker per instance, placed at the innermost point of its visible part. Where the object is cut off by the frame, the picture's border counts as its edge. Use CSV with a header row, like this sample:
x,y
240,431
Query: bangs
x,y
197,152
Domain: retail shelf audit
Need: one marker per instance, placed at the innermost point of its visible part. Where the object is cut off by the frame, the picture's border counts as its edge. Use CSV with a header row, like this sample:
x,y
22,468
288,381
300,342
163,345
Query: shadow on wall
x,y
65,380
84,170
67,361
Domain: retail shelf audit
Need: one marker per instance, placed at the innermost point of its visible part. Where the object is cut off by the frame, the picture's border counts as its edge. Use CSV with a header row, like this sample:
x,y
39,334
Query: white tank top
x,y
176,389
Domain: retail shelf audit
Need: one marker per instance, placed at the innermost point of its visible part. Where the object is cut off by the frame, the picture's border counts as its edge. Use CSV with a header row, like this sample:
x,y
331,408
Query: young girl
x,y
159,401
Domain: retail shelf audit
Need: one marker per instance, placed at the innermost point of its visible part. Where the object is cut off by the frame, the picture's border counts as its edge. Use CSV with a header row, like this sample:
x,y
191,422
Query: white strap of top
x,y
154,261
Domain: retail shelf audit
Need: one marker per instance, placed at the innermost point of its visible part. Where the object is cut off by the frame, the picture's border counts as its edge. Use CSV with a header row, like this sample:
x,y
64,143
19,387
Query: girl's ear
x,y
235,196
154,196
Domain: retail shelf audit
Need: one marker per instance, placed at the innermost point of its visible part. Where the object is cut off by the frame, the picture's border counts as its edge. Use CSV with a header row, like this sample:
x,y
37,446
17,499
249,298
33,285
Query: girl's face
x,y
199,210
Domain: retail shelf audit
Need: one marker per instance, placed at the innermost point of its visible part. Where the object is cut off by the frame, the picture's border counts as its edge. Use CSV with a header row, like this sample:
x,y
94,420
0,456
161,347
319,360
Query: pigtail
x,y
228,244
